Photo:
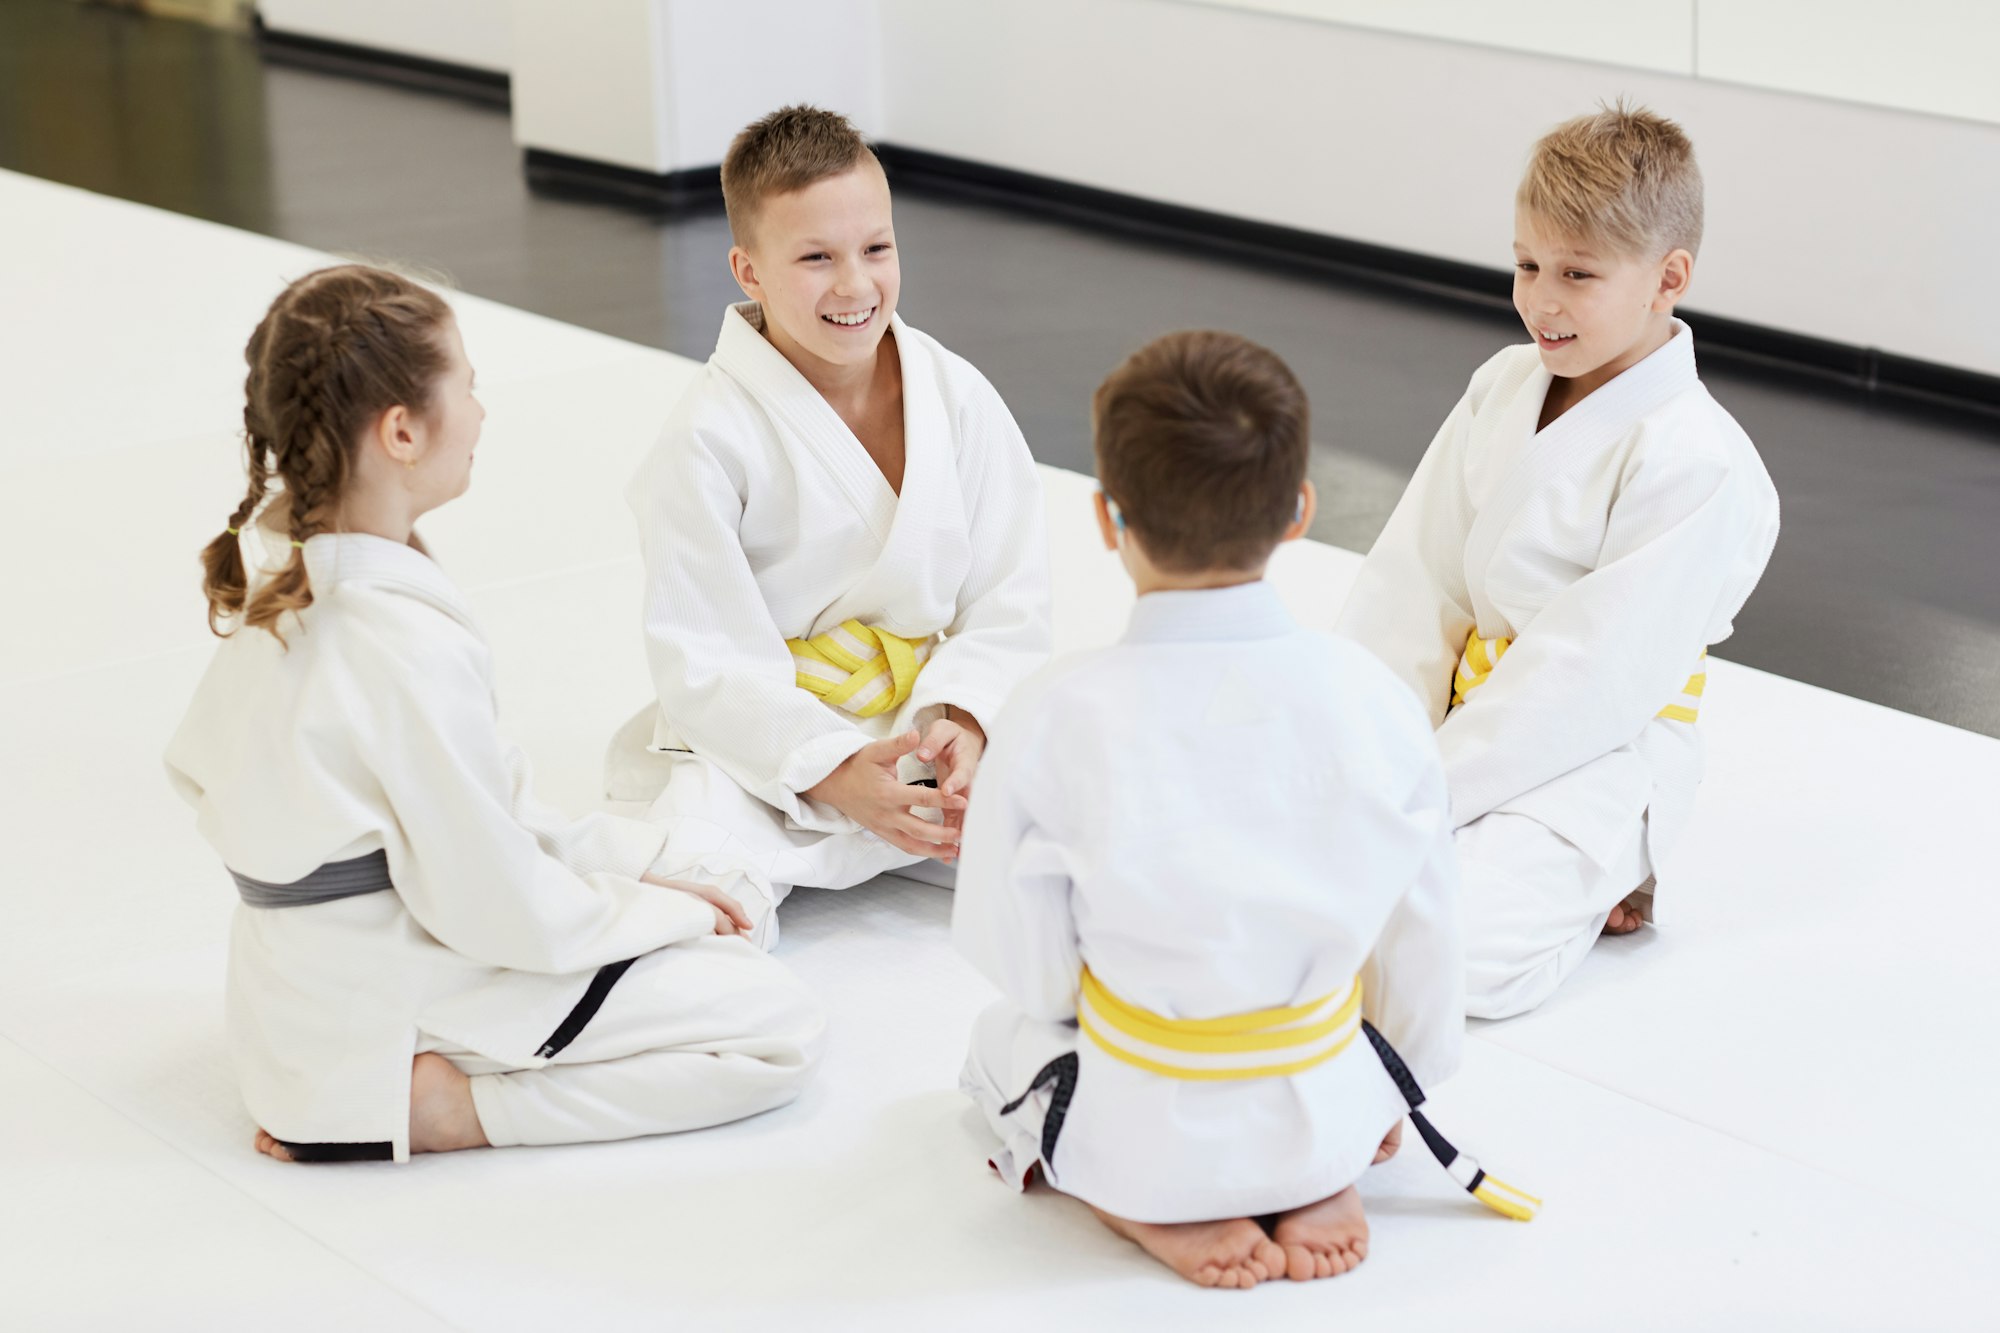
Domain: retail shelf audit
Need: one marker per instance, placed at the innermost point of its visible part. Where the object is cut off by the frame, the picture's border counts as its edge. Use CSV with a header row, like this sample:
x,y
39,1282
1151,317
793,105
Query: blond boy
x,y
846,569
1587,522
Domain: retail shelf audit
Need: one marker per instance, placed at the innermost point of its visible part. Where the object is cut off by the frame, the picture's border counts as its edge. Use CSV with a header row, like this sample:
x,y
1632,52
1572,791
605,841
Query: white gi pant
x,y
1008,1049
1532,903
695,1034
701,801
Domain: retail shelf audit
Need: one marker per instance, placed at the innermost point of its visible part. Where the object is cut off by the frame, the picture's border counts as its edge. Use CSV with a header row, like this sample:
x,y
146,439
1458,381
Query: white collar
x,y
333,558
1243,611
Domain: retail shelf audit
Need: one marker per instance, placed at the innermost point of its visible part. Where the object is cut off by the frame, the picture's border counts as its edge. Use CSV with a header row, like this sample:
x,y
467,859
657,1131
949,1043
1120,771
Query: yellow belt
x,y
862,669
1267,1044
1270,1043
1482,655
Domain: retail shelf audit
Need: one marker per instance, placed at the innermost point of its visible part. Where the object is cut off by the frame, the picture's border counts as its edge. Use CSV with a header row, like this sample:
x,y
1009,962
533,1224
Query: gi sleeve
x,y
1610,650
1002,631
1409,604
1011,912
720,666
1413,984
491,872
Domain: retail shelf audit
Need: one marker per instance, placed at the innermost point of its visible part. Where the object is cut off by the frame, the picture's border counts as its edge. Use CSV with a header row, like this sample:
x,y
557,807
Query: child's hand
x,y
953,746
868,790
730,918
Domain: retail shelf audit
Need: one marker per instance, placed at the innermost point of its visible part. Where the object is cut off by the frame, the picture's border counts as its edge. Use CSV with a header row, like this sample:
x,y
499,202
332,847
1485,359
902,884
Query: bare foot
x,y
1390,1142
1323,1239
442,1116
270,1147
1235,1253
1626,917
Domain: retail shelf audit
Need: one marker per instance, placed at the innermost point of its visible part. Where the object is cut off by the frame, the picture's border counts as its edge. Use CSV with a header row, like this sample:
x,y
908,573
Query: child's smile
x,y
1594,313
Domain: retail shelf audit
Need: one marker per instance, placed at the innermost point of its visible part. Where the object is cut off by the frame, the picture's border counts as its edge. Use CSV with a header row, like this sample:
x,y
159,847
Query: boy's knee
x,y
1496,990
1509,973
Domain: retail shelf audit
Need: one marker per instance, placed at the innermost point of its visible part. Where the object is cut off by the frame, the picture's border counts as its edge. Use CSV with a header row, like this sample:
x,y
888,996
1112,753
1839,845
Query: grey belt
x,y
329,883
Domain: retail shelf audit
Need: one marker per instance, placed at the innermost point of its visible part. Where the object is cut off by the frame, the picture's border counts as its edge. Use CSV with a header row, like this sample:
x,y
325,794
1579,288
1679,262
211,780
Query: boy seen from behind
x,y
1210,869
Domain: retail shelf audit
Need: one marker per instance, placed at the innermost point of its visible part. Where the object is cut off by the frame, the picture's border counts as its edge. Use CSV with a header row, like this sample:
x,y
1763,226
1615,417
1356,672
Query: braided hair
x,y
338,348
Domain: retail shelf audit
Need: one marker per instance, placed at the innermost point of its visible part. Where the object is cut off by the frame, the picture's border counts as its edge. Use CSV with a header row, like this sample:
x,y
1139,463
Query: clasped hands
x,y
868,788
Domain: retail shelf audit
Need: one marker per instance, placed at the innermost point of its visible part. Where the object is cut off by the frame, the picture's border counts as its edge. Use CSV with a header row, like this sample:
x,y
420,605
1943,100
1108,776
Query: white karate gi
x,y
763,520
1613,548
376,731
1221,814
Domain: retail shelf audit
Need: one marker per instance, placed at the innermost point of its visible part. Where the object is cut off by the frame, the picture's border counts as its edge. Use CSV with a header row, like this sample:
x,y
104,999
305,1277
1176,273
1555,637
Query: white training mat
x,y
1768,1113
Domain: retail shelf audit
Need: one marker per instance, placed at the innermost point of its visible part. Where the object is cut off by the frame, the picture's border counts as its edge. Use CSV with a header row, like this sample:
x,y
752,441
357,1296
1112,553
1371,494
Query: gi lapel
x,y
801,415
912,589
1498,448
1573,440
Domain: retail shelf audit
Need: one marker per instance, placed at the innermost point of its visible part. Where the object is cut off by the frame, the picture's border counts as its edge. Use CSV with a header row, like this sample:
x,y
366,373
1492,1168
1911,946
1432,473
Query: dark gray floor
x,y
1883,585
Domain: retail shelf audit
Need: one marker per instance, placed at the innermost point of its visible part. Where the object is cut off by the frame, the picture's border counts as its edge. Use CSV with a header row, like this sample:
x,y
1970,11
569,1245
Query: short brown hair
x,y
789,149
1622,175
338,348
1202,442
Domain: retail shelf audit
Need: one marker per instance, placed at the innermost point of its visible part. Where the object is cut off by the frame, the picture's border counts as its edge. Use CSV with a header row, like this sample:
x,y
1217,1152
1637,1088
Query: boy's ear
x,y
1308,506
745,273
1676,275
1107,526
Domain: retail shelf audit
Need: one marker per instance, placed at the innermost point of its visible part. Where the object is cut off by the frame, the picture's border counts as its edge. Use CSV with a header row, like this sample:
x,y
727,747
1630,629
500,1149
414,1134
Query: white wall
x,y
1863,225
1919,55
663,85
588,82
1914,55
730,61
478,33
1646,34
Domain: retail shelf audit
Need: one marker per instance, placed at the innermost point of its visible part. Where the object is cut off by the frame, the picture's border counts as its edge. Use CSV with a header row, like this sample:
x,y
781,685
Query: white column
x,y
661,86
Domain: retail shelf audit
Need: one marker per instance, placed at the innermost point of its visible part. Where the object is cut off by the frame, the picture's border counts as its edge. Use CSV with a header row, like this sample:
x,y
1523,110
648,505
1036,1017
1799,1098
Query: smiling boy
x,y
846,568
1591,513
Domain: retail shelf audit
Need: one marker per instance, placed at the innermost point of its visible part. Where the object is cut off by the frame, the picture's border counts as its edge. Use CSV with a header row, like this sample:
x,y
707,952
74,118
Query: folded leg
x,y
1008,1050
696,1034
1532,905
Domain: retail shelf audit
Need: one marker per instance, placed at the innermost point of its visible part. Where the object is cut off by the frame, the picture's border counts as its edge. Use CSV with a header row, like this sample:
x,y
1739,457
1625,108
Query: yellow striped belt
x,y
1482,655
861,669
1270,1043
1273,1043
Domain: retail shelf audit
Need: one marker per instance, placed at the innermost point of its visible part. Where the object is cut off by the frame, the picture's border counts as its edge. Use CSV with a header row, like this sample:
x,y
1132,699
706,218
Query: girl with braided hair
x,y
428,957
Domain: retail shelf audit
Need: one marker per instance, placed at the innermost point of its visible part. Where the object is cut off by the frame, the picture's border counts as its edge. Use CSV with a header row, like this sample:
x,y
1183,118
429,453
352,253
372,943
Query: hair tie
x,y
300,545
236,532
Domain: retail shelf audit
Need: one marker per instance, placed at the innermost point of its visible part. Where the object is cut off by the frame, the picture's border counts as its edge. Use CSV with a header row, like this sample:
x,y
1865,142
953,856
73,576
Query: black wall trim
x,y
1725,340
489,87
674,191
1127,213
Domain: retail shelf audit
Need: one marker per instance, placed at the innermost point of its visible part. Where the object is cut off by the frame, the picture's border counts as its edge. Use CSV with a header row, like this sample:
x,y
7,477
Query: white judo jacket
x,y
1613,547
764,519
1221,814
375,730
